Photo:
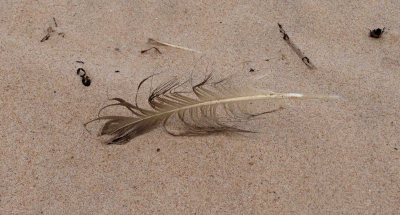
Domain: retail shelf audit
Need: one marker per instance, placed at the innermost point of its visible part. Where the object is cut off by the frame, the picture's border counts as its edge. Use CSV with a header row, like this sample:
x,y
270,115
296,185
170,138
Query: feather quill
x,y
199,115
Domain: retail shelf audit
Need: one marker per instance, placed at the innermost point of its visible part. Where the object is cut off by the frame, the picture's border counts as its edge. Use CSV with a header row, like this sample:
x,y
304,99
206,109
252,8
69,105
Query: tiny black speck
x,y
116,71
158,149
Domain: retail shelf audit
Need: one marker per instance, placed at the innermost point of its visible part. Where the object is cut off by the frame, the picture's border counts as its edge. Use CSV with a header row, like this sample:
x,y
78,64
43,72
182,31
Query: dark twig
x,y
304,58
55,22
50,31
45,38
155,48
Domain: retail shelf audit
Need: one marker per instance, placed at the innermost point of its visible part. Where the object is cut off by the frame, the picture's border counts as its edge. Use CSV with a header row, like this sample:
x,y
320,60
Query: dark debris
x,y
376,33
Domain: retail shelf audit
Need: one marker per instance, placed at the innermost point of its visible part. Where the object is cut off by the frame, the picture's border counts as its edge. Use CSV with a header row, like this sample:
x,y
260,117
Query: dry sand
x,y
314,157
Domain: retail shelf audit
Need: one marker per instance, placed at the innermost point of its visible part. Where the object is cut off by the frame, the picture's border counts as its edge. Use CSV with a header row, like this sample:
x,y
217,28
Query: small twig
x,y
304,58
158,43
45,38
155,48
50,31
55,22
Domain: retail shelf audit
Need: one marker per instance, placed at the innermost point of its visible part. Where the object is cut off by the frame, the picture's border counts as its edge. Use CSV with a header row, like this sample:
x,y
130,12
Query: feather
x,y
200,114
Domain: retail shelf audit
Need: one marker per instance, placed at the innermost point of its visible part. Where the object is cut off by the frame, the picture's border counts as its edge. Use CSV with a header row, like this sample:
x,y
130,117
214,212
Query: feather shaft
x,y
230,100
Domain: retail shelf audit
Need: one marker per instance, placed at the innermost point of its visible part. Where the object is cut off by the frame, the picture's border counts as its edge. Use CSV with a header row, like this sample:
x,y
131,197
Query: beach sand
x,y
313,157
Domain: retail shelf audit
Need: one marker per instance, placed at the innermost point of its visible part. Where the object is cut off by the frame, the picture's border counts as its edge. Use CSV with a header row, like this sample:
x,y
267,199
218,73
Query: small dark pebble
x,y
86,81
78,61
55,91
266,59
395,148
117,49
158,149
376,33
251,70
116,71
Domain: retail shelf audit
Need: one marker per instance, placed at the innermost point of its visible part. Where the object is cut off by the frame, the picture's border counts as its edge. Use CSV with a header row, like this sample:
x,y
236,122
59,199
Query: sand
x,y
313,157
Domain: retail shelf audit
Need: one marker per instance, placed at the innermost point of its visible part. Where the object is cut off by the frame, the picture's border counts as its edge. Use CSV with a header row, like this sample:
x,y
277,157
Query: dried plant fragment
x,y
155,48
159,43
209,110
55,22
45,38
50,31
303,58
